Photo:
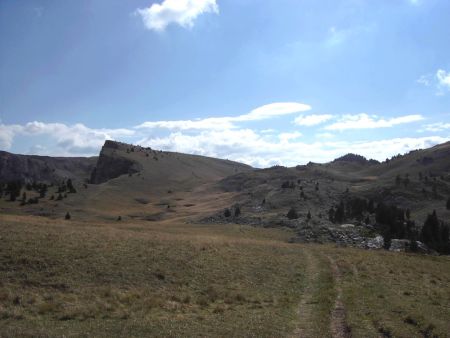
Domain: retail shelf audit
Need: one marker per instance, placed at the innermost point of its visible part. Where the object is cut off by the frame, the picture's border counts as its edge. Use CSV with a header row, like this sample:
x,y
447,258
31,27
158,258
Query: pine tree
x,y
339,215
331,214
448,203
292,214
67,217
371,206
308,216
237,211
227,212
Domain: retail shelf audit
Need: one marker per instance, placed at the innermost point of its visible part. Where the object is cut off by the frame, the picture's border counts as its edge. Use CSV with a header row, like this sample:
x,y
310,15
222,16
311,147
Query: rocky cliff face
x,y
112,163
30,168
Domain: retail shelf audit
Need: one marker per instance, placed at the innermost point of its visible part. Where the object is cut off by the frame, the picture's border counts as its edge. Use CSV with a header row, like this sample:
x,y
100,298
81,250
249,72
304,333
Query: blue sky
x,y
263,82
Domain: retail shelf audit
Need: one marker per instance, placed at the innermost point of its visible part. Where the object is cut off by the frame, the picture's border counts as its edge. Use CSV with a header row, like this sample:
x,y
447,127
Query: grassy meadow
x,y
168,279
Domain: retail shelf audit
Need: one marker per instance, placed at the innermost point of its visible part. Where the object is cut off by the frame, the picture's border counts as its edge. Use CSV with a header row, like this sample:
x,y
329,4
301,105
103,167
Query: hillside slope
x,y
322,197
138,183
44,168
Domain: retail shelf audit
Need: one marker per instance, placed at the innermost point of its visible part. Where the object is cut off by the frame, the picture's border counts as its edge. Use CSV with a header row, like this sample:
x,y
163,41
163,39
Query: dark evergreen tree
x,y
67,217
13,189
308,216
331,214
435,234
448,203
371,206
42,190
339,215
435,194
70,186
227,212
292,214
237,210
406,182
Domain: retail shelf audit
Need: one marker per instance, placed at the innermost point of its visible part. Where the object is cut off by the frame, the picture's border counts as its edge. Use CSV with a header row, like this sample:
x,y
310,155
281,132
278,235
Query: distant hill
x,y
355,158
44,168
141,183
118,159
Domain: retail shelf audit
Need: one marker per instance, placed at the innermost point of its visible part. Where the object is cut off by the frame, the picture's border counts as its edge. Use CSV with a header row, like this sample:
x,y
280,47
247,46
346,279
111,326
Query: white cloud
x,y
365,121
440,80
325,135
415,2
69,140
7,133
312,120
425,80
286,137
435,127
239,144
219,123
245,145
336,36
273,109
443,79
182,12
208,123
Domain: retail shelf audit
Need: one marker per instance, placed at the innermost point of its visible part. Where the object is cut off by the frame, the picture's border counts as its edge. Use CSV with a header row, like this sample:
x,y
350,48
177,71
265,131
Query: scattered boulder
x,y
375,243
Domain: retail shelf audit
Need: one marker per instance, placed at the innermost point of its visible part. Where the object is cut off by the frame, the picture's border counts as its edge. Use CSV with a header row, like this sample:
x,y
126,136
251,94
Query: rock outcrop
x,y
112,164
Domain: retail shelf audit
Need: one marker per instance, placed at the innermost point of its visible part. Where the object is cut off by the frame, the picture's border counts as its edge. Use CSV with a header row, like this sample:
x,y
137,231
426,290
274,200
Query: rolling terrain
x,y
148,249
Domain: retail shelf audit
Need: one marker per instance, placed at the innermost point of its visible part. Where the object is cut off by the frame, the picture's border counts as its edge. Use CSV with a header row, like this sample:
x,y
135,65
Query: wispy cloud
x,y
365,121
182,12
443,79
312,120
435,127
265,112
440,80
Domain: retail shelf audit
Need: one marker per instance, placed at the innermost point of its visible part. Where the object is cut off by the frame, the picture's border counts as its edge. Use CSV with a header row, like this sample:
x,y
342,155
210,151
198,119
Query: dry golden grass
x,y
139,279
158,279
